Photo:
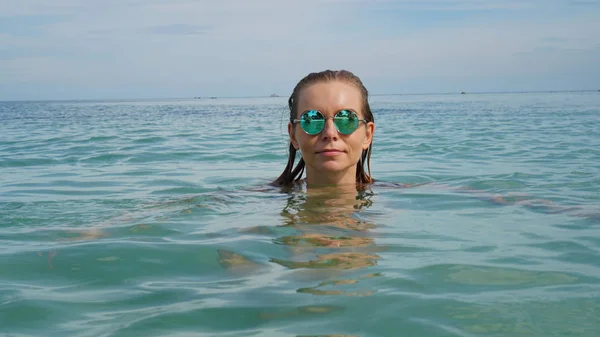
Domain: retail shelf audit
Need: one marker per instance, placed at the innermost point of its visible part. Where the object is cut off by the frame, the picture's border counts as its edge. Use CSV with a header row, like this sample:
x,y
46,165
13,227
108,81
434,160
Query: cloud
x,y
176,29
445,5
585,3
161,48
28,25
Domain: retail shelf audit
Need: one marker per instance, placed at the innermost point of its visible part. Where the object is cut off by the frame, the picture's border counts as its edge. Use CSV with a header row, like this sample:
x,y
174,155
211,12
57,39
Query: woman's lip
x,y
330,152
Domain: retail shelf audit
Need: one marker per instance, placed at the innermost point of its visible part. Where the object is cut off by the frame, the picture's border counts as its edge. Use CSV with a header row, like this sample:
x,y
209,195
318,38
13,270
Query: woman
x,y
332,126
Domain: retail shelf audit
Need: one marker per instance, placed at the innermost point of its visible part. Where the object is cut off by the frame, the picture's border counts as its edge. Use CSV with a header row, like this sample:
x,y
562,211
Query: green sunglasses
x,y
313,121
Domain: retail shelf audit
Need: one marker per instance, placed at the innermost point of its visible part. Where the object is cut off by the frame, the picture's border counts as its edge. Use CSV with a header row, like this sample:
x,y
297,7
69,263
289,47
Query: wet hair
x,y
293,174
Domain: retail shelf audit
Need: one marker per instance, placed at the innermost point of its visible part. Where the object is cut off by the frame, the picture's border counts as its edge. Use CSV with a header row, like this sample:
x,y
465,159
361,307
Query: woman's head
x,y
334,150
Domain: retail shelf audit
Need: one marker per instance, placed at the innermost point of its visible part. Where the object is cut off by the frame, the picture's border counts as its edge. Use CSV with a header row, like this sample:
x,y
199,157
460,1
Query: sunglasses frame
x,y
295,121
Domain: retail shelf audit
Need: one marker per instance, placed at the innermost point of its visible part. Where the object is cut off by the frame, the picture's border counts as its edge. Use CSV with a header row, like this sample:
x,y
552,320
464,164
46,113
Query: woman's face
x,y
330,156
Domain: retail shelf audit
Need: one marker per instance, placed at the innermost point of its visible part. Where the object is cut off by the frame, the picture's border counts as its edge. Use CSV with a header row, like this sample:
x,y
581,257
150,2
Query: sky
x,y
125,49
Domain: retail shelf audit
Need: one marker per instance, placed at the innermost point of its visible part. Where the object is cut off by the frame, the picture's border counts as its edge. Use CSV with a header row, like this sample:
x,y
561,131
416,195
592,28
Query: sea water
x,y
155,218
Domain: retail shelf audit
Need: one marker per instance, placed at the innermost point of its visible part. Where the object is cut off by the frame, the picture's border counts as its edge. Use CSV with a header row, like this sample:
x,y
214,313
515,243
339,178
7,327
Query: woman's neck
x,y
341,178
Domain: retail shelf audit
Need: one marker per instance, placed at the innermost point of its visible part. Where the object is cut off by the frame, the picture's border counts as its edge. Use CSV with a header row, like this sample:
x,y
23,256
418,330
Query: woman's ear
x,y
293,137
369,135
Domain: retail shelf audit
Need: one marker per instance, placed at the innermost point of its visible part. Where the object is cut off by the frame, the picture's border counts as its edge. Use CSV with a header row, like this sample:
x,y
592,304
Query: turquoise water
x,y
153,218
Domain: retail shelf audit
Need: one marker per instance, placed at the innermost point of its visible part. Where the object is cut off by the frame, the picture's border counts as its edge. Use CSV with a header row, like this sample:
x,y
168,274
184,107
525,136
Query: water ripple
x,y
141,218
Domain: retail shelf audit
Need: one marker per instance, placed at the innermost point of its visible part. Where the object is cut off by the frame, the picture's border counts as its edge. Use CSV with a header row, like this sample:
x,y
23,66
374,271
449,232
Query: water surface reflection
x,y
331,235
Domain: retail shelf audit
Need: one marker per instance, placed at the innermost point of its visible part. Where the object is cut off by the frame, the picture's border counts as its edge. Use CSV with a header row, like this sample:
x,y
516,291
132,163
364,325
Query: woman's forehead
x,y
329,97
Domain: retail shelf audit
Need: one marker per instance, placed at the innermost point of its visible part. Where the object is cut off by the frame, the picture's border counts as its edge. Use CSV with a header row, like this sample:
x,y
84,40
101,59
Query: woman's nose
x,y
329,130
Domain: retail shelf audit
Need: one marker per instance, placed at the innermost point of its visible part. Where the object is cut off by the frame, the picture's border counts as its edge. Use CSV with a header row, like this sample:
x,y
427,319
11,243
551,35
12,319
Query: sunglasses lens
x,y
346,121
312,122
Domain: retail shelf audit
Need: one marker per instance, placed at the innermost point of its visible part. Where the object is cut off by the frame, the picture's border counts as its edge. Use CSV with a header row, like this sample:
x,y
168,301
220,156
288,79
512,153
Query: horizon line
x,y
279,96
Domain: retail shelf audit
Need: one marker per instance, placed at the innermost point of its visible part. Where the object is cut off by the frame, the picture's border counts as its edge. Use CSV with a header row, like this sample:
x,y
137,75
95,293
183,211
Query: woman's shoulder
x,y
275,187
391,184
378,184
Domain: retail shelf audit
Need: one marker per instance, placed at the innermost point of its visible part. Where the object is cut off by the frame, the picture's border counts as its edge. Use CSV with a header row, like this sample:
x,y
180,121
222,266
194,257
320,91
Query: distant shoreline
x,y
490,92
203,98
